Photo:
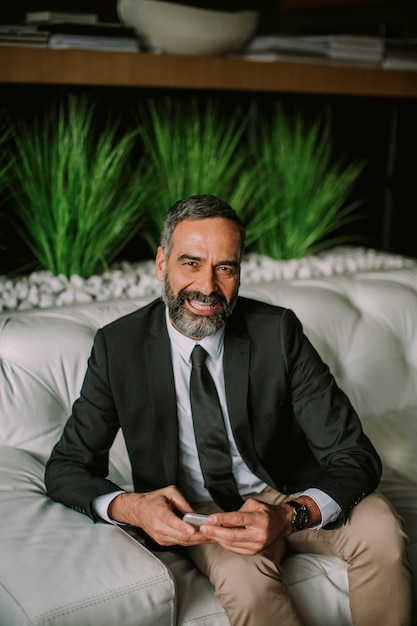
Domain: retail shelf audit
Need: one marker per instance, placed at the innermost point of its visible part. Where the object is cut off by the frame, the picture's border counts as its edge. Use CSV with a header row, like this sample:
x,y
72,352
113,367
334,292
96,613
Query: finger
x,y
170,538
241,519
235,518
173,531
228,535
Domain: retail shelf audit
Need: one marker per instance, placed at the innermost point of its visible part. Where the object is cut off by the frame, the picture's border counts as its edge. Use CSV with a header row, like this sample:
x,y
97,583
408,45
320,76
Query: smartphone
x,y
195,519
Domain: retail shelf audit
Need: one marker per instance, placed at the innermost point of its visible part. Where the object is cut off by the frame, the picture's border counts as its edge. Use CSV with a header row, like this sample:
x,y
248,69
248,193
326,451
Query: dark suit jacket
x,y
293,425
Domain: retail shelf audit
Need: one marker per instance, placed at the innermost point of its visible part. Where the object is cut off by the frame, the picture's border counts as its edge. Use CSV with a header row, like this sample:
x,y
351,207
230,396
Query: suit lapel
x,y
163,395
236,374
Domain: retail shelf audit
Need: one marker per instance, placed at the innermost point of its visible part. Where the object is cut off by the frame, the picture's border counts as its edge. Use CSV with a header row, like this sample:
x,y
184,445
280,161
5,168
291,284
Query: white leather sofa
x,y
57,568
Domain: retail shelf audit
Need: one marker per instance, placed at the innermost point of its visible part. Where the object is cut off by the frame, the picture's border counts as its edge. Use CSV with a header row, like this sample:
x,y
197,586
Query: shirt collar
x,y
213,344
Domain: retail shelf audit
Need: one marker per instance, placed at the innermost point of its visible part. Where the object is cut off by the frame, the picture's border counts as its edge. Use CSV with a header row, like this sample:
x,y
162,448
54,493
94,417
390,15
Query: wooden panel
x,y
75,67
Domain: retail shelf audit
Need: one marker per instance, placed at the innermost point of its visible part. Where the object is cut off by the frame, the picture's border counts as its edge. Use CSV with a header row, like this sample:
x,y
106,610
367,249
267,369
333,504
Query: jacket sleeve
x,y
76,471
350,465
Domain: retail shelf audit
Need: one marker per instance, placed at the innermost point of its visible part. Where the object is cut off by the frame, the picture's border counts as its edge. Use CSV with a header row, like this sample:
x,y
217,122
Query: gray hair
x,y
198,208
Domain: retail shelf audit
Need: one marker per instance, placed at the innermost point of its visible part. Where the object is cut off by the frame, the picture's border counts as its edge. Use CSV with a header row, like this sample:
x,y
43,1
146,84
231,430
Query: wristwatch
x,y
300,519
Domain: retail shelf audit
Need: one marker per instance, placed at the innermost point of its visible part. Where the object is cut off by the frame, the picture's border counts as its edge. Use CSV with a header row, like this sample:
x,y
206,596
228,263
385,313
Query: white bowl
x,y
182,29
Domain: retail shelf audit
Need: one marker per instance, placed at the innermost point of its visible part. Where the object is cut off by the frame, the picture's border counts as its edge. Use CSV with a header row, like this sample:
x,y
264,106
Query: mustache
x,y
210,299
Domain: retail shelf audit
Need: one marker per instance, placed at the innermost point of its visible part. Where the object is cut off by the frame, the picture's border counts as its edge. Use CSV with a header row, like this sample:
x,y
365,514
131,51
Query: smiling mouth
x,y
203,307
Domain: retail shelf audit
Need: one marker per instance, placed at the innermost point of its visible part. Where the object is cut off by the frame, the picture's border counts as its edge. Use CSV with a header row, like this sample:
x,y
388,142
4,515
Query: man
x,y
299,472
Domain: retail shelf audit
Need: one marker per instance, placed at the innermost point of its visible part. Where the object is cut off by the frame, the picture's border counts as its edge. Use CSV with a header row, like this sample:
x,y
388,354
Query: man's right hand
x,y
153,512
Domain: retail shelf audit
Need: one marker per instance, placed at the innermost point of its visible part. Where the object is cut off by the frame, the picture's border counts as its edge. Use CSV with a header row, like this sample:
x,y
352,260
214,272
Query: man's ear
x,y
160,264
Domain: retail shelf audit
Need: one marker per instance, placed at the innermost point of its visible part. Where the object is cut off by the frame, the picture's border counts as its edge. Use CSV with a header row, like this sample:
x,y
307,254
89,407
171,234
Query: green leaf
x,y
193,149
303,193
77,200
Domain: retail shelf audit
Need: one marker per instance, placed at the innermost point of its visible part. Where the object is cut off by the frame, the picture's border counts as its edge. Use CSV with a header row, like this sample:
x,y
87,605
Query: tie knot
x,y
198,356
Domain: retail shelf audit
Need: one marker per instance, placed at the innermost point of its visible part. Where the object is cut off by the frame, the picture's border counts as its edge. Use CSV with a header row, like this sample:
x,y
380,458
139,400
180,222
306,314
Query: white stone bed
x,y
129,280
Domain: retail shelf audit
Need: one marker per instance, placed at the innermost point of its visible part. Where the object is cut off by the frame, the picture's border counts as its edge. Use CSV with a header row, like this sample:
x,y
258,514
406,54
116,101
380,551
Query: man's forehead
x,y
215,227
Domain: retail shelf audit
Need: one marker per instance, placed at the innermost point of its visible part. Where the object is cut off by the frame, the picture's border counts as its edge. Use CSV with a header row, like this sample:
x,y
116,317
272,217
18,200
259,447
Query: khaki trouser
x,y
372,542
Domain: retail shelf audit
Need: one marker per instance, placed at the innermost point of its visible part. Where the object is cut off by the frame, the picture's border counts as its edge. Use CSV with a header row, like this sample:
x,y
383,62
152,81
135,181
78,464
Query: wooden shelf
x,y
119,69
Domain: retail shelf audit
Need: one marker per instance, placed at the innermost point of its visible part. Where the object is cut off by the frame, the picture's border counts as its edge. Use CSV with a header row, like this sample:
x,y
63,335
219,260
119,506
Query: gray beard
x,y
193,325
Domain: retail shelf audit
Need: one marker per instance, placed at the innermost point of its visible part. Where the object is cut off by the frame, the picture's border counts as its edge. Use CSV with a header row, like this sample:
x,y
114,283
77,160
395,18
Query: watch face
x,y
301,518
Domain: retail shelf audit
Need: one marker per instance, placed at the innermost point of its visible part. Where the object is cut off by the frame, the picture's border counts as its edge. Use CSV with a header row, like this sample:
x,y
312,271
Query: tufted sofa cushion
x,y
364,326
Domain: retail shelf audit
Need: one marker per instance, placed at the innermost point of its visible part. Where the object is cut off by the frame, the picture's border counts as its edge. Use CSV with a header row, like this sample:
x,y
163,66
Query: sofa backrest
x,y
364,326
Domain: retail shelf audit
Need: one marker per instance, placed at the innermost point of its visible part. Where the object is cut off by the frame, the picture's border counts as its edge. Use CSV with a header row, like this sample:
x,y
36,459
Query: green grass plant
x,y
77,201
6,158
194,148
6,170
303,191
81,189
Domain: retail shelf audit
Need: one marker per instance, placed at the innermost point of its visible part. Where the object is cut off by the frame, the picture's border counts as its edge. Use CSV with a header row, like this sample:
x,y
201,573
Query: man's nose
x,y
207,281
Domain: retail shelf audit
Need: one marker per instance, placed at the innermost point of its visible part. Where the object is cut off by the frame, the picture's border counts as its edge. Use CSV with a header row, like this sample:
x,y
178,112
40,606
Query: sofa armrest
x,y
56,566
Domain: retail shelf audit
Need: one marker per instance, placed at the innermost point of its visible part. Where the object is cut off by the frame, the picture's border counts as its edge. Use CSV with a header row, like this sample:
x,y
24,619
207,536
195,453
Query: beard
x,y
192,324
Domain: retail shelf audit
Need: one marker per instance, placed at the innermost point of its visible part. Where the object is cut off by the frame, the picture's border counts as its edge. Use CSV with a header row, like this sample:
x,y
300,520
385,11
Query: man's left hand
x,y
253,528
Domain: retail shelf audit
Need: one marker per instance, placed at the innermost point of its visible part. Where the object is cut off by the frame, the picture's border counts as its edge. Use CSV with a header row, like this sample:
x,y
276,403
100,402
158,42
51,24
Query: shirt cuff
x,y
101,507
329,509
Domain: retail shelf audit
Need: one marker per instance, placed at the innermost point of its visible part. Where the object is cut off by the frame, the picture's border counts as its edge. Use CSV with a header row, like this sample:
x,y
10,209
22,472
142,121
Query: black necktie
x,y
211,437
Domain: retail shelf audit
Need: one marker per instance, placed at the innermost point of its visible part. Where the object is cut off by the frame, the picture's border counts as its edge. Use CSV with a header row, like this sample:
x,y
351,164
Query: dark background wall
x,y
393,17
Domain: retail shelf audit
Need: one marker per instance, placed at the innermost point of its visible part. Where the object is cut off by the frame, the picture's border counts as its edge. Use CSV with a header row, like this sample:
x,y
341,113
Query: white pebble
x,y
81,296
65,297
77,281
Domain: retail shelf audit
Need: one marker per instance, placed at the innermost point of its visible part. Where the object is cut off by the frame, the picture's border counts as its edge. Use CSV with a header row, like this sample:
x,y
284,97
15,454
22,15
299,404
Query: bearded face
x,y
190,323
201,275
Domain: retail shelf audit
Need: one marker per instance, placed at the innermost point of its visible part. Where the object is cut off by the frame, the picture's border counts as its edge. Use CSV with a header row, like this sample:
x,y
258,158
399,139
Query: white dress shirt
x,y
191,482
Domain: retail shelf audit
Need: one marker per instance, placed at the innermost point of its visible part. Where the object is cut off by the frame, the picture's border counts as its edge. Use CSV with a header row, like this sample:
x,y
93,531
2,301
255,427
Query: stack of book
x,y
17,35
91,36
339,48
81,31
46,17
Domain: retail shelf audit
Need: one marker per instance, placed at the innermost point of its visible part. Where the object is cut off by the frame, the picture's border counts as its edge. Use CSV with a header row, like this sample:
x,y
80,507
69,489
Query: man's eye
x,y
225,269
